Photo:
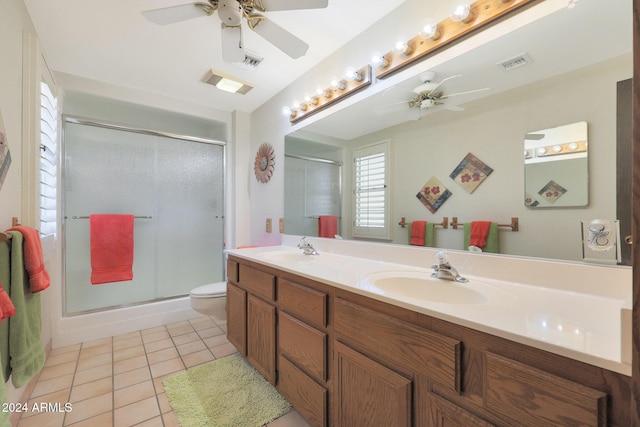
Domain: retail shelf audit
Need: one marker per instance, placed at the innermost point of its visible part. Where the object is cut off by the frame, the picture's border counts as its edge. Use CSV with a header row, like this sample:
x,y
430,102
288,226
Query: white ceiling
x,y
112,42
566,40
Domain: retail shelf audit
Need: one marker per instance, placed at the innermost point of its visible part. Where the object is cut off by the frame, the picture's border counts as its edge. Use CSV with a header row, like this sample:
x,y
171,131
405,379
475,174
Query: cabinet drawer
x,y
232,271
303,345
302,302
435,356
257,282
307,396
536,398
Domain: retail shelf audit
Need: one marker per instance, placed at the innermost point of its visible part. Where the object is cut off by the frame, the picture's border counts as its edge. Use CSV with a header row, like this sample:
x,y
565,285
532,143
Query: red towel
x,y
479,233
33,258
6,305
418,232
327,226
111,248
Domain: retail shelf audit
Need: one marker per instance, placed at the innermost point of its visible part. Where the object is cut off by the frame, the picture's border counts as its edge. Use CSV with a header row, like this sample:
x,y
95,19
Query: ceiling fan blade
x,y
232,48
463,93
275,5
172,14
434,89
280,38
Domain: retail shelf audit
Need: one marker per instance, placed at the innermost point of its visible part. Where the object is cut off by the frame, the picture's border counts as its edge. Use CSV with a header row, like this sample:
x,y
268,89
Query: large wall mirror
x,y
567,73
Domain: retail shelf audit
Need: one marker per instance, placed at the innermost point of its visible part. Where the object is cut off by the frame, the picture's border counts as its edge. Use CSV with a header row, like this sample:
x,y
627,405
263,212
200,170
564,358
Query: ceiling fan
x,y
429,95
231,13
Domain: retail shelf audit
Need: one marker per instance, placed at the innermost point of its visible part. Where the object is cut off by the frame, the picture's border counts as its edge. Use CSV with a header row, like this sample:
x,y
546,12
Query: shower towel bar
x,y
87,217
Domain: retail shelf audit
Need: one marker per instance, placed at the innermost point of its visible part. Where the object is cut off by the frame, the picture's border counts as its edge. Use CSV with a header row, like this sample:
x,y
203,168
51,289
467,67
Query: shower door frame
x,y
74,119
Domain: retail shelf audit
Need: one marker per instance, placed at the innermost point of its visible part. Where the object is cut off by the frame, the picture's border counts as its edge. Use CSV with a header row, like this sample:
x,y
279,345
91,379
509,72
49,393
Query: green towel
x,y
491,245
26,351
429,235
5,278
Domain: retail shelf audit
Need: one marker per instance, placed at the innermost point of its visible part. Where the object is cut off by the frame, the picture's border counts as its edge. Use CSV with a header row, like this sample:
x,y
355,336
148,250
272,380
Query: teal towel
x,y
429,235
491,245
26,352
5,278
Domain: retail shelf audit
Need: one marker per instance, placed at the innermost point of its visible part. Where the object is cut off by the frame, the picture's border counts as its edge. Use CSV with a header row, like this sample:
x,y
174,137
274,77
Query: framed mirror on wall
x,y
556,167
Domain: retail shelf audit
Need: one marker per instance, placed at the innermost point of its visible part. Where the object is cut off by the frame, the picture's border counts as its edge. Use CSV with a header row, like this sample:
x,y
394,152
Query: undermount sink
x,y
287,256
421,286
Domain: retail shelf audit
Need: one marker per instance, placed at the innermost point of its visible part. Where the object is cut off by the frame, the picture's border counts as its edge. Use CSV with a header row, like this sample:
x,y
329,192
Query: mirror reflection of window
x,y
557,167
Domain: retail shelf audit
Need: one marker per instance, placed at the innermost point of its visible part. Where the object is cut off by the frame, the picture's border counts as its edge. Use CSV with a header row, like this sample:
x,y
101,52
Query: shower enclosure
x,y
173,185
313,187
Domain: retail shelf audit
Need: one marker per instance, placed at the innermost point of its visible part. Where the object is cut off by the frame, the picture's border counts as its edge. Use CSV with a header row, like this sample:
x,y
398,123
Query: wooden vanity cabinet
x,y
347,360
303,342
251,317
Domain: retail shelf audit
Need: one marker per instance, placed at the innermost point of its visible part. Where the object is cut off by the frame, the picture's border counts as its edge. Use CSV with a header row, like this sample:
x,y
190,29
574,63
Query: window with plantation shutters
x,y
48,161
371,199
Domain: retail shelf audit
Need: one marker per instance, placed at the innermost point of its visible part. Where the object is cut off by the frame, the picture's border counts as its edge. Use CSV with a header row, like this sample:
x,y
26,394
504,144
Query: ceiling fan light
x,y
430,30
461,11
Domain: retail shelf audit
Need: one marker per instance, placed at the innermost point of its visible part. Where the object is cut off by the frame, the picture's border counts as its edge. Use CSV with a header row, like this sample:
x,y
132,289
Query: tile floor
x,y
117,381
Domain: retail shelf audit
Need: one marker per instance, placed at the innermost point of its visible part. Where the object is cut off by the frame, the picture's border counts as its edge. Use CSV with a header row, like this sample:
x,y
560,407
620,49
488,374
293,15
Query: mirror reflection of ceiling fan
x,y
429,95
231,13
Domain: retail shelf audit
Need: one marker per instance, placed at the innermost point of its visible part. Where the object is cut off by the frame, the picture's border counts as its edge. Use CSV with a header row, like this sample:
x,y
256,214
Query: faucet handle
x,y
442,257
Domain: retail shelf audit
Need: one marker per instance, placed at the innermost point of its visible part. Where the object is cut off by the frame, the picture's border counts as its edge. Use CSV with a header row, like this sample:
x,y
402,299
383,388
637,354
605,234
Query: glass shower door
x,y
174,187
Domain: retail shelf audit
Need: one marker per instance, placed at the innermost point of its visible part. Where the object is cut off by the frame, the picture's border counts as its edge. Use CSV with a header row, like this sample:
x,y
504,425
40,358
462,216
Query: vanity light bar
x,y
557,149
483,13
336,92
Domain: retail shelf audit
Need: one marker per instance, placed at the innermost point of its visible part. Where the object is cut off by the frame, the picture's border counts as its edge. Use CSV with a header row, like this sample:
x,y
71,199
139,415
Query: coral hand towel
x,y
111,248
6,306
418,232
33,258
479,233
327,226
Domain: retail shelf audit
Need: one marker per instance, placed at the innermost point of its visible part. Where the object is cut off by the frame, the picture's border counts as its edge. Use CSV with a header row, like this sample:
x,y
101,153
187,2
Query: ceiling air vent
x,y
515,62
251,60
227,83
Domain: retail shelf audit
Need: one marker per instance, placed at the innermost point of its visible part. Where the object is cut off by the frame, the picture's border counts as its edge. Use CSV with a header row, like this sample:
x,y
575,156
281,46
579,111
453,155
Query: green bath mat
x,y
225,392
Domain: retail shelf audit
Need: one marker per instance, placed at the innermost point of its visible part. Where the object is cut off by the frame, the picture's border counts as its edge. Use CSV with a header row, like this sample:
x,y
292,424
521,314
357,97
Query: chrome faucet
x,y
444,270
307,248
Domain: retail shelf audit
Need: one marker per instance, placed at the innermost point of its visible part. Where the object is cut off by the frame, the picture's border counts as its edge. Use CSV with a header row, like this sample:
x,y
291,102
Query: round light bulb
x,y
557,148
378,60
573,146
402,48
286,111
461,11
430,30
296,105
541,150
337,84
352,74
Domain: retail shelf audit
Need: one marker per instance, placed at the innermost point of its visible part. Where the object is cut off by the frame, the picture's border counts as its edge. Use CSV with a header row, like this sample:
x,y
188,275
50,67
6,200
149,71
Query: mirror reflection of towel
x,y
485,236
428,237
327,226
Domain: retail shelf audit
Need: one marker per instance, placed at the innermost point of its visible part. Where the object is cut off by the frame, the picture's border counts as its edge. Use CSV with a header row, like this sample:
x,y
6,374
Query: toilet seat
x,y
212,290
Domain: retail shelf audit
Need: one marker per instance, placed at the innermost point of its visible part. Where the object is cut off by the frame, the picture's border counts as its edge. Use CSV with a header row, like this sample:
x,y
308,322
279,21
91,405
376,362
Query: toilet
x,y
210,300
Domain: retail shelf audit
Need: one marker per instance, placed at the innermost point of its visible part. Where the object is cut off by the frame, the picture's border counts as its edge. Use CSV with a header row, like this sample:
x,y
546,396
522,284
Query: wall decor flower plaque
x,y
470,173
264,163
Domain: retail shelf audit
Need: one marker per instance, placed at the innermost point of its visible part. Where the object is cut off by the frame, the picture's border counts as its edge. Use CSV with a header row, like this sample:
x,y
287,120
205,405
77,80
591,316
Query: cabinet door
x,y
368,393
261,337
443,413
237,318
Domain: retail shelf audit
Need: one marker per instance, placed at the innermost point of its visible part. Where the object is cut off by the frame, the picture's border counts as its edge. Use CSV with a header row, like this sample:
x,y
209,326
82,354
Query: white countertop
x,y
584,326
